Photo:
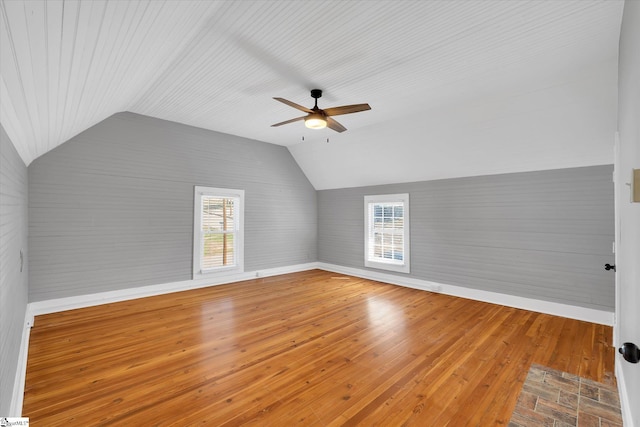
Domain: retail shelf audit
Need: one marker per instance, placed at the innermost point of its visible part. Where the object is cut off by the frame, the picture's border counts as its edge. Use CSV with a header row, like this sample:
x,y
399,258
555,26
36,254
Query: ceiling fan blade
x,y
333,124
346,109
294,105
289,121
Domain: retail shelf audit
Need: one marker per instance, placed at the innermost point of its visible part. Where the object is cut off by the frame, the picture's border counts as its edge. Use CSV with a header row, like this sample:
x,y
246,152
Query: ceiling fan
x,y
318,118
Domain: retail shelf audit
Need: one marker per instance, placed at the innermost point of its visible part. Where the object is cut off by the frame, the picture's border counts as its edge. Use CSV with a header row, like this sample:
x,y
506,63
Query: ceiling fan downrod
x,y
315,94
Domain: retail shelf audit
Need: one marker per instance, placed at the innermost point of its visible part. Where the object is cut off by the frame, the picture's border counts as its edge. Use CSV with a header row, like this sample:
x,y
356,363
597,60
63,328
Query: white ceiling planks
x,y
67,65
516,85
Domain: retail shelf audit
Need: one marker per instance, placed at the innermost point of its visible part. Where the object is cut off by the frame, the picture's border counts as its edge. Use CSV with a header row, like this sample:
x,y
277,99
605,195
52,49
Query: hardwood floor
x,y
312,348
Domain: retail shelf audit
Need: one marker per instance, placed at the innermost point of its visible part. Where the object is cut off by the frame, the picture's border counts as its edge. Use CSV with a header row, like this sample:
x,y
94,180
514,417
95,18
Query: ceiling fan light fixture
x,y
315,121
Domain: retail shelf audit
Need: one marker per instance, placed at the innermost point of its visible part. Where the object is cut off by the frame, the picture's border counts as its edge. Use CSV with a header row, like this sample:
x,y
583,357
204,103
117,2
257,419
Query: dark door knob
x,y
630,352
610,267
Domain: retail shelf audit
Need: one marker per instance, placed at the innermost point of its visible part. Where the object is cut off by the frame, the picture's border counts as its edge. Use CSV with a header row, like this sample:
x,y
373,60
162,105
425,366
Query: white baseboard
x,y
625,405
15,409
81,301
563,310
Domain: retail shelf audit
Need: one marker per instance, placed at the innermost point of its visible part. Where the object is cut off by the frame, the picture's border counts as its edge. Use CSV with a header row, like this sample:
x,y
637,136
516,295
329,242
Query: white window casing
x,y
386,234
218,231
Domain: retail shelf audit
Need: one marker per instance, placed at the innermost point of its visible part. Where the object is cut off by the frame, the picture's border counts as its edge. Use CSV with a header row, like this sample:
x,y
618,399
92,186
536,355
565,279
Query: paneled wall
x,y
543,235
13,281
112,208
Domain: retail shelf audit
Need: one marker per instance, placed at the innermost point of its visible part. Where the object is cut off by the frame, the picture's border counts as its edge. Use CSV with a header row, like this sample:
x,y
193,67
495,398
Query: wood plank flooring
x,y
313,348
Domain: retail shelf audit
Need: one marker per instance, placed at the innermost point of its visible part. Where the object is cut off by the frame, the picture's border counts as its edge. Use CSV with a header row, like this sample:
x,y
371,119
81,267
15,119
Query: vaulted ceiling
x,y
457,88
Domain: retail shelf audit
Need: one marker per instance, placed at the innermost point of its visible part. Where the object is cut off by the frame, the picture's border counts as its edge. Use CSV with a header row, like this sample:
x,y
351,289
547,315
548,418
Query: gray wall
x,y
543,235
112,208
13,283
628,261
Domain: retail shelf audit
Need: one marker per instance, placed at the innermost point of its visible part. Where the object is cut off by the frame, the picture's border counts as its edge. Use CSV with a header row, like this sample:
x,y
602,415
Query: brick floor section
x,y
558,399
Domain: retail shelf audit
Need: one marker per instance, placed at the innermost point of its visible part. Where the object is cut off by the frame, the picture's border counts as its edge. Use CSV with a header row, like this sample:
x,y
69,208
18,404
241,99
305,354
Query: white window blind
x,y
218,230
387,232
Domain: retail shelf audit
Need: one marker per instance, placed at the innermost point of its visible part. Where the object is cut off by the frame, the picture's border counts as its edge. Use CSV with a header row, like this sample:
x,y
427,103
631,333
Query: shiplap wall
x,y
112,208
543,235
13,282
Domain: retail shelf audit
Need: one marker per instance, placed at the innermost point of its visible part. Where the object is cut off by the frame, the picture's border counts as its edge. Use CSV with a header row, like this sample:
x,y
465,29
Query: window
x,y
218,243
386,234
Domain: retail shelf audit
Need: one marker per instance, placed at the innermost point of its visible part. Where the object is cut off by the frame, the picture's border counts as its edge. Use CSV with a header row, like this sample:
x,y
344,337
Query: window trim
x,y
199,192
405,266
